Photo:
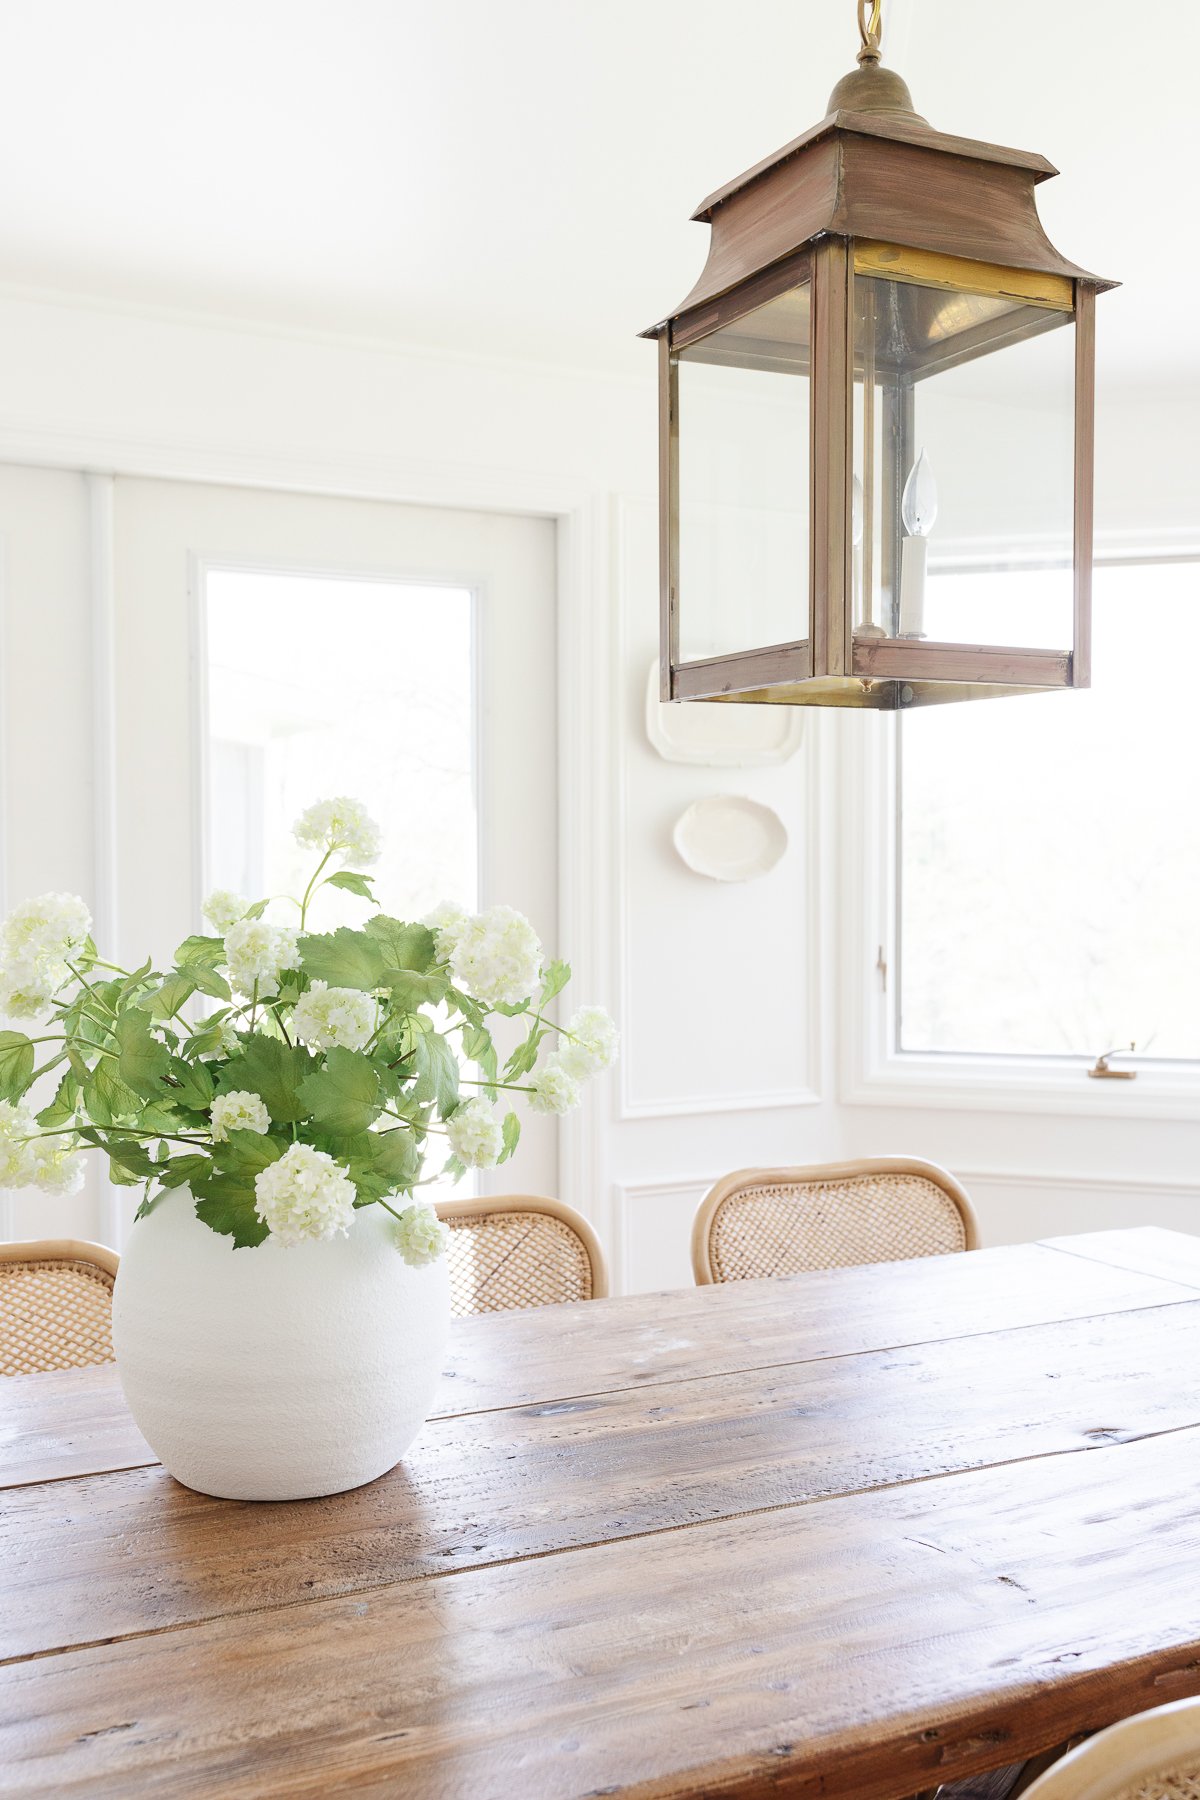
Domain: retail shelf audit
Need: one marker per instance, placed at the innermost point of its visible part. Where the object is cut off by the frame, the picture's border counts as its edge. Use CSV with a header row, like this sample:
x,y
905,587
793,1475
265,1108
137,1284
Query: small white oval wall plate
x,y
719,735
730,838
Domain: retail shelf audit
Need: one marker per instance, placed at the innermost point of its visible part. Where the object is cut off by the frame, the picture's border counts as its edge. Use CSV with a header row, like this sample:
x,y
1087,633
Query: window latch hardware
x,y
1103,1071
881,965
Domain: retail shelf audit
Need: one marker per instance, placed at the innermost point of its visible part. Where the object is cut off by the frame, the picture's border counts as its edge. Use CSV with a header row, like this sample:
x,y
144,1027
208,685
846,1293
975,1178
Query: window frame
x,y
875,1071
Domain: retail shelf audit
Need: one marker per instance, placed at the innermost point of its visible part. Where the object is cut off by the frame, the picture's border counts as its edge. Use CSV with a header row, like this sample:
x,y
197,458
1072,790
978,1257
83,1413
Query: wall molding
x,y
1029,1180
626,1194
630,1106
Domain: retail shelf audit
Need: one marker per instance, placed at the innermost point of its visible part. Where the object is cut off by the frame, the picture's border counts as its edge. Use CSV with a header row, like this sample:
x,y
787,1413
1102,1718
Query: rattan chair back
x,y
517,1250
1153,1756
55,1305
785,1221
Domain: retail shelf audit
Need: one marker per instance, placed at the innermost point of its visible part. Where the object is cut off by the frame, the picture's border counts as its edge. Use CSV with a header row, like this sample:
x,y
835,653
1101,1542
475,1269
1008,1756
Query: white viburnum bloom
x,y
554,1090
28,986
591,1043
304,1197
498,957
475,1134
223,909
420,1236
18,1164
58,1167
329,1018
238,1111
447,922
258,953
340,825
45,929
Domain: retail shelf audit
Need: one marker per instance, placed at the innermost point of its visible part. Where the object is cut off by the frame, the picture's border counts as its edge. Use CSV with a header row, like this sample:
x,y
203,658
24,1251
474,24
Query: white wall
x,y
727,994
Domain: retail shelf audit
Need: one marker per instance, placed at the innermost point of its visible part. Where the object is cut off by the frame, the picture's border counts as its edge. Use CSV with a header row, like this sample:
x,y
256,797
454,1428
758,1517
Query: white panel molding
x,y
631,1106
1136,1187
627,1194
114,1209
586,759
873,1071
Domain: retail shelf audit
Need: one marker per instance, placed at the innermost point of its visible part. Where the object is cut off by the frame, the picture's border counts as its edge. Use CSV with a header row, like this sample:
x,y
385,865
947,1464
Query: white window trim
x,y
874,1072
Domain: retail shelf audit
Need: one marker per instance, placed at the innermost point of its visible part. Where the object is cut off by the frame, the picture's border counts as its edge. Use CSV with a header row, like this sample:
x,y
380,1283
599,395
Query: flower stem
x,y
310,889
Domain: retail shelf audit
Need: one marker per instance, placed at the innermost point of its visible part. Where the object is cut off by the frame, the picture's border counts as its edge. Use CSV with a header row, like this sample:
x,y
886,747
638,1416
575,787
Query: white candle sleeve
x,y
914,553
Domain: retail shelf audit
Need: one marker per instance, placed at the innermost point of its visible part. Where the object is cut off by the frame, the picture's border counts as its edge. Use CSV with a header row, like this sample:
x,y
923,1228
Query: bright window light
x,y
1049,847
318,686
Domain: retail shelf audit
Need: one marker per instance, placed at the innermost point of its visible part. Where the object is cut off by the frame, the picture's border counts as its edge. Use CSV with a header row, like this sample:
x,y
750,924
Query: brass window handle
x,y
1102,1070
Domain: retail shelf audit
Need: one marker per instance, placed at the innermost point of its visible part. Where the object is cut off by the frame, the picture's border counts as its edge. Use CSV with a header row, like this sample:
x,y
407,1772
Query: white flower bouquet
x,y
330,1065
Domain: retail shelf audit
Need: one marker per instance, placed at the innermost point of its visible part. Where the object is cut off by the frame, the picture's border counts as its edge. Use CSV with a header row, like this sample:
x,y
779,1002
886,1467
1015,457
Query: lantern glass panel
x,y
964,454
743,425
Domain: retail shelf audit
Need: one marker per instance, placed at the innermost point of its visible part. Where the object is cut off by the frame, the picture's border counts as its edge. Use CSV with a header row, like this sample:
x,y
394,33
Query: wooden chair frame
x,y
482,1206
61,1250
814,1173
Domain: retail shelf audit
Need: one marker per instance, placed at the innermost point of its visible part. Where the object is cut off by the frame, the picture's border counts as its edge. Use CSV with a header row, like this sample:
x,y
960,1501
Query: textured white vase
x,y
273,1373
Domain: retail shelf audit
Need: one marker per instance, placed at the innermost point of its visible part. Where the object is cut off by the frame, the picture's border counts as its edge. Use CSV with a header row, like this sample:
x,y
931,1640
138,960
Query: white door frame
x,y
585,611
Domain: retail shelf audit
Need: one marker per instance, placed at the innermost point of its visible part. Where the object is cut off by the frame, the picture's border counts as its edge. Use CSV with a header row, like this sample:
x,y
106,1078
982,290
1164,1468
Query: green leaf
x,y
62,1108
132,982
167,1000
257,910
106,1098
226,1202
272,1070
411,991
207,981
202,952
437,1072
479,1049
343,958
554,979
524,1058
16,1064
195,1089
183,1169
142,1062
129,1156
353,884
512,1135
389,1163
343,1096
404,946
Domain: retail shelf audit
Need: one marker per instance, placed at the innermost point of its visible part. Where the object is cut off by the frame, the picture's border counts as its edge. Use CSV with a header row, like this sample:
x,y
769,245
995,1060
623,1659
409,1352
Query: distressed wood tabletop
x,y
850,1533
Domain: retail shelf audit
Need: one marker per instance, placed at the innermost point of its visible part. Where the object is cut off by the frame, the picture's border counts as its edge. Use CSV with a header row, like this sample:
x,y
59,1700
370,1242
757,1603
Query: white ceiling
x,y
515,178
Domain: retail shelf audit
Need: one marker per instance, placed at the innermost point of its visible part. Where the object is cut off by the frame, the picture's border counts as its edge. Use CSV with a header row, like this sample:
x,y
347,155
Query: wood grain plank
x,y
76,1423
112,1555
1147,1250
72,1422
559,1352
867,1647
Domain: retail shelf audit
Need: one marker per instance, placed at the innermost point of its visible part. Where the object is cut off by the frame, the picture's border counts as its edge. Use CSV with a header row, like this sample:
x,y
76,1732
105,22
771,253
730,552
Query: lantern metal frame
x,y
873,191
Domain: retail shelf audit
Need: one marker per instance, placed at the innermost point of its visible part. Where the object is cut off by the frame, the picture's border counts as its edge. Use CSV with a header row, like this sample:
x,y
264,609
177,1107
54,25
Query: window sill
x,y
1025,1085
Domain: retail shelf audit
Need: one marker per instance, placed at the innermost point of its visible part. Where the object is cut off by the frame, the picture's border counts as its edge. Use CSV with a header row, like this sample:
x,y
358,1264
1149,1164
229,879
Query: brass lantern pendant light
x,y
876,420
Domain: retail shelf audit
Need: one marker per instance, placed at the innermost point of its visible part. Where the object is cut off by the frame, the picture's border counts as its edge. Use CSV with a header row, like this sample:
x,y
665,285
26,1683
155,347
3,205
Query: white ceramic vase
x,y
273,1373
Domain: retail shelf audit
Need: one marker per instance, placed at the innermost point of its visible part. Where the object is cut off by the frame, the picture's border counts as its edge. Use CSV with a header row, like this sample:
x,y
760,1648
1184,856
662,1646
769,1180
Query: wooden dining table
x,y
850,1533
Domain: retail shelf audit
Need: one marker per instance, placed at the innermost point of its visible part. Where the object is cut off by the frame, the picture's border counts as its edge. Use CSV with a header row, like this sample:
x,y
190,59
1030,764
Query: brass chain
x,y
870,29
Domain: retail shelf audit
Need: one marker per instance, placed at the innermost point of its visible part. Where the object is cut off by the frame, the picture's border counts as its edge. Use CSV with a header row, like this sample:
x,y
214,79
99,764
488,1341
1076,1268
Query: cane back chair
x,y
518,1250
55,1305
1153,1756
783,1221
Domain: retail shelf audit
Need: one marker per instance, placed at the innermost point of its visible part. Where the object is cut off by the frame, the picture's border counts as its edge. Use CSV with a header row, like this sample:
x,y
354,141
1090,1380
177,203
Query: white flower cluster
x,y
589,1044
304,1197
223,909
420,1236
495,955
326,1017
340,825
475,1134
238,1111
26,1160
257,954
35,940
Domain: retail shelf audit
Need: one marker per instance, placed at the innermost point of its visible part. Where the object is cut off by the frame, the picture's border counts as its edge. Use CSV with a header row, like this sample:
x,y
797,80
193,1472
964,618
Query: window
x,y
1048,848
320,686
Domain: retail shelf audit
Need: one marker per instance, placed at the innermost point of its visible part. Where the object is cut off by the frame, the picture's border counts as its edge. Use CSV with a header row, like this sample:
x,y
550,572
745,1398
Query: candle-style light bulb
x,y
919,510
919,506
